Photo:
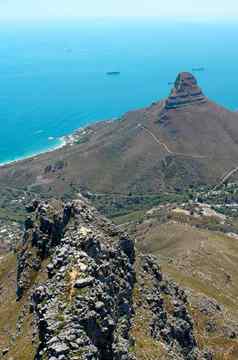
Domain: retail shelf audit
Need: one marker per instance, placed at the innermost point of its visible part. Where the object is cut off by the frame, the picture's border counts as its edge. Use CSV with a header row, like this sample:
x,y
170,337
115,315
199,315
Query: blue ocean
x,y
53,75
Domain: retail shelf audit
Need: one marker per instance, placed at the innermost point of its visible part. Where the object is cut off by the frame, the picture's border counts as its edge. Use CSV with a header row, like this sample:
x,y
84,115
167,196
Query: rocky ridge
x,y
84,309
87,307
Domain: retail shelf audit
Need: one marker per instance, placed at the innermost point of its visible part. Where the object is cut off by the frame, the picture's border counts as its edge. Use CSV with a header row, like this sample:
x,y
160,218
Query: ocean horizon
x,y
54,75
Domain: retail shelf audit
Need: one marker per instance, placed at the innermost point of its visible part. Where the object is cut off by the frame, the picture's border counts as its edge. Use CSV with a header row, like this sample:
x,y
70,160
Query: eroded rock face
x,y
84,309
79,270
170,321
185,92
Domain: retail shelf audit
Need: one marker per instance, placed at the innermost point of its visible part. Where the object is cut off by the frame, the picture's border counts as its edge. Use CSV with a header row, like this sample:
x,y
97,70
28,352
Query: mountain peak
x,y
185,80
185,92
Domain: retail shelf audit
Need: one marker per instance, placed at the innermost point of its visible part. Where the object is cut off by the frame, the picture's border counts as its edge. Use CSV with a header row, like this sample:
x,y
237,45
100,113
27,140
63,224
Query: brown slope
x,y
184,140
202,260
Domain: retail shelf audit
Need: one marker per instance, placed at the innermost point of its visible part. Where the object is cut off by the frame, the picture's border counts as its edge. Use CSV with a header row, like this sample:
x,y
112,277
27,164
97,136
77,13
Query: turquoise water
x,y
53,76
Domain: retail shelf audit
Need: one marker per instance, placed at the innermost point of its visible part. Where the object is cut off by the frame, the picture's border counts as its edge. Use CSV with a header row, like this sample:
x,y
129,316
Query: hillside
x,y
197,248
183,140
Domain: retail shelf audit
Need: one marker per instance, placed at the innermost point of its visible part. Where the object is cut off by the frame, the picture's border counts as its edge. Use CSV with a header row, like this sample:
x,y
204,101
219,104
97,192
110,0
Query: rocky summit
x,y
186,91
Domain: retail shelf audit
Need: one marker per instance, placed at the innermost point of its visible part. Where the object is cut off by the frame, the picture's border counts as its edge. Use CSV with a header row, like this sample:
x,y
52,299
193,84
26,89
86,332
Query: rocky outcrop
x,y
43,231
170,321
79,271
185,92
84,309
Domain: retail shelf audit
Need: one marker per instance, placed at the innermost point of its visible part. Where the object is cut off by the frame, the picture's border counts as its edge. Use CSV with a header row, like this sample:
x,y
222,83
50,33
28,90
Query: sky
x,y
54,9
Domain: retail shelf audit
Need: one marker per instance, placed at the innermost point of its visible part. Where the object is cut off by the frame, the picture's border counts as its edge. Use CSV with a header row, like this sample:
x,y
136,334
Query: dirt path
x,y
224,177
167,149
156,139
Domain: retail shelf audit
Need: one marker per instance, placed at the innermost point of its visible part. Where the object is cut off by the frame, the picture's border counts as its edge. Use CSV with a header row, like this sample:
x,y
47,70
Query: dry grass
x,y
72,278
223,348
9,314
20,348
205,262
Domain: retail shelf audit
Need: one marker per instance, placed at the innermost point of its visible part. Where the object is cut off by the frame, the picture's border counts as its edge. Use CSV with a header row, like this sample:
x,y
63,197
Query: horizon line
x,y
187,18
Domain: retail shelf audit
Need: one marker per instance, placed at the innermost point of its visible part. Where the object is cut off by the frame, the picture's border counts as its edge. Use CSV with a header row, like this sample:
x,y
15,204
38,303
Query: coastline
x,y
64,140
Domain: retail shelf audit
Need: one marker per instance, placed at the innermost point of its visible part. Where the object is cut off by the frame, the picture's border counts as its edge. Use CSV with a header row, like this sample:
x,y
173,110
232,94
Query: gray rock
x,y
5,351
99,305
59,348
81,283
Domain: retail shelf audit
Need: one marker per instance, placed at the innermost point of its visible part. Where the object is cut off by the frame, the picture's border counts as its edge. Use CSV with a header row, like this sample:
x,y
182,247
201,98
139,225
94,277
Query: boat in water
x,y
198,69
113,73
